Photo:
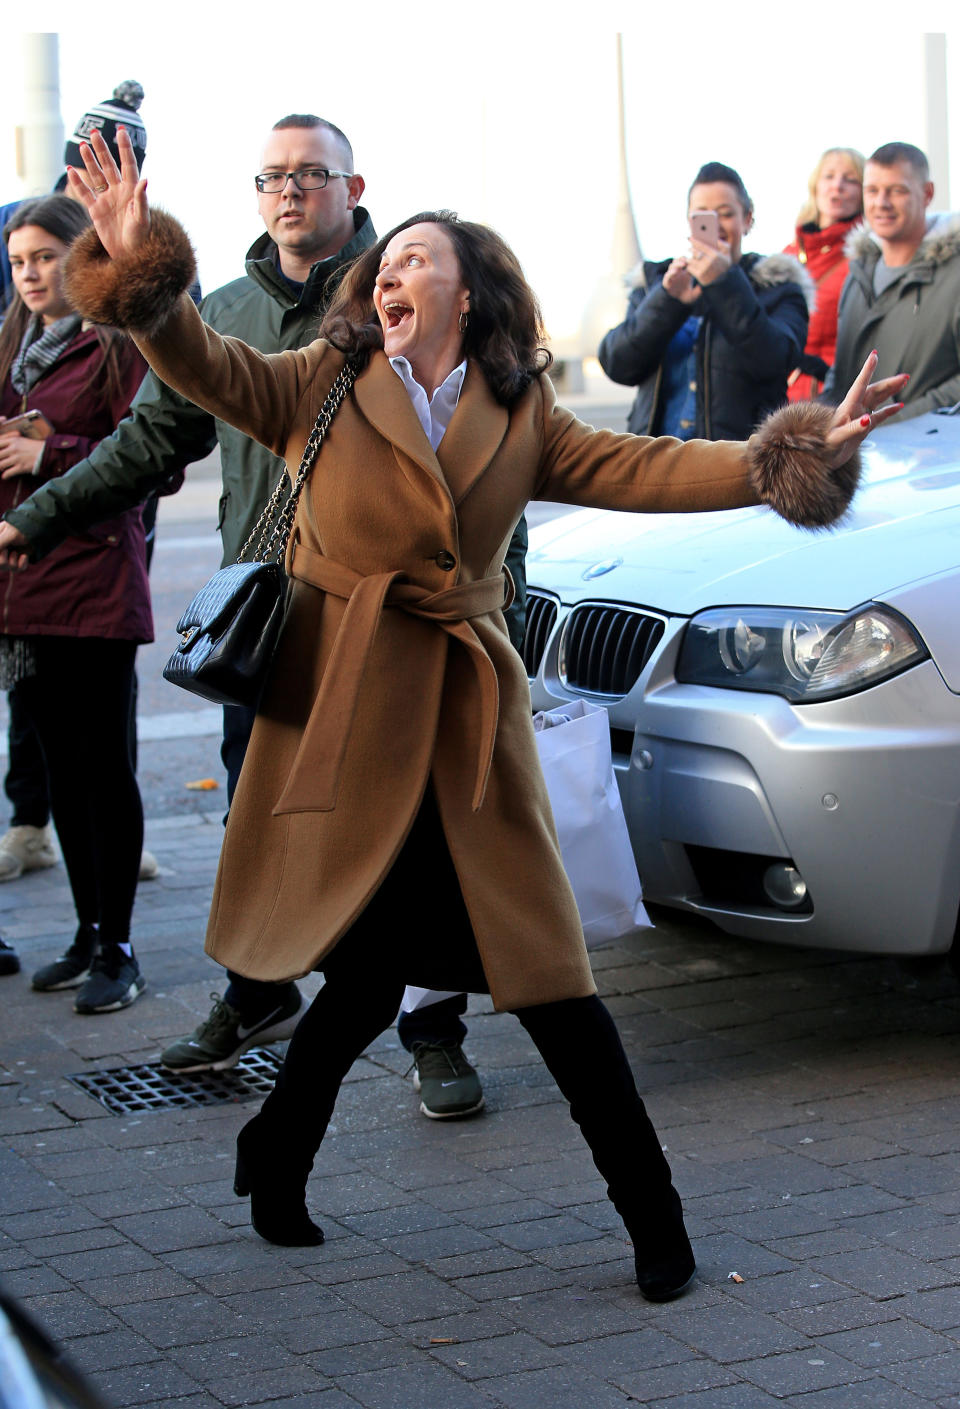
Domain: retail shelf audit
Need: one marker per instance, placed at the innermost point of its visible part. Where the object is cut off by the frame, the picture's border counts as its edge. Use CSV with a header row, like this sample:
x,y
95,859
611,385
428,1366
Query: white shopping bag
x,y
574,746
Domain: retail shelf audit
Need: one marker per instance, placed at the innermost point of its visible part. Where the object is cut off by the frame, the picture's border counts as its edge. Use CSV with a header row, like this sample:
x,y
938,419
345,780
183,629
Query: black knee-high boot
x,y
275,1150
581,1047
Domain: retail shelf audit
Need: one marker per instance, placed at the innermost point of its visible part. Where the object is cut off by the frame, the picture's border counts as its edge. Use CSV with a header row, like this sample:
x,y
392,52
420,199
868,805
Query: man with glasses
x,y
308,195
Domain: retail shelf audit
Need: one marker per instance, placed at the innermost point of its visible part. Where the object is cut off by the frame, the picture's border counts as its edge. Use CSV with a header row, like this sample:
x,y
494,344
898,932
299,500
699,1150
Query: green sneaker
x,y
449,1086
220,1040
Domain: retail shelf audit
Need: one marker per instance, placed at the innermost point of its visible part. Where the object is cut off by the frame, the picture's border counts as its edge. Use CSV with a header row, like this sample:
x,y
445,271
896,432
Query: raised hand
x,y
861,410
115,196
708,263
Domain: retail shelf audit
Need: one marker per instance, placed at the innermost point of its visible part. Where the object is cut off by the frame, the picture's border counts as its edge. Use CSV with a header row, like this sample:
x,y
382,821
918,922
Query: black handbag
x,y
229,631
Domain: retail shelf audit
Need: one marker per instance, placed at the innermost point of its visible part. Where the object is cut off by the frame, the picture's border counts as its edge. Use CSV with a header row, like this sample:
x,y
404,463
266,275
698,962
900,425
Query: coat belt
x,y
314,780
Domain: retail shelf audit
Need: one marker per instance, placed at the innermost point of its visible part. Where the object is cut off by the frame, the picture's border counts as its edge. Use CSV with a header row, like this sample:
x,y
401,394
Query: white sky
x,y
507,120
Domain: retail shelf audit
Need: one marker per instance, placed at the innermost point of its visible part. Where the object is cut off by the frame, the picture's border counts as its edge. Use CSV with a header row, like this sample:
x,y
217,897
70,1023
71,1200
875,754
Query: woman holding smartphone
x,y
711,336
70,624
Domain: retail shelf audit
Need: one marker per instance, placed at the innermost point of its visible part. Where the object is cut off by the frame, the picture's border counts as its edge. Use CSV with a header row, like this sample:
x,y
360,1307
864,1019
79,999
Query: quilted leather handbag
x,y
229,631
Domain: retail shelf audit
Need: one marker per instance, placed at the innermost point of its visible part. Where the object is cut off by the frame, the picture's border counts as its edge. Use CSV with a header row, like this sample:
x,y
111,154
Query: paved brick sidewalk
x,y
809,1104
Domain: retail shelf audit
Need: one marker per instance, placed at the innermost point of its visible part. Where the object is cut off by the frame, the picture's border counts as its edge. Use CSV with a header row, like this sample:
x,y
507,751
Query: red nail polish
x,y
864,420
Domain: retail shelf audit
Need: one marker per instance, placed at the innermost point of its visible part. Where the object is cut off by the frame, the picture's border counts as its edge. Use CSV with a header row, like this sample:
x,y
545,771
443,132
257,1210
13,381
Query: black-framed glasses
x,y
309,178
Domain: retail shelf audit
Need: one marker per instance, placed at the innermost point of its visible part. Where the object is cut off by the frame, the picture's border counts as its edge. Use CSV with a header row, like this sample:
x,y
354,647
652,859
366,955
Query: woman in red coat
x,y
70,624
833,207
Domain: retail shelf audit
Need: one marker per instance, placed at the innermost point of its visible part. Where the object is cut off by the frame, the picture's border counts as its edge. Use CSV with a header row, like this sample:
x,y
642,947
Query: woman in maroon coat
x,y
70,624
834,205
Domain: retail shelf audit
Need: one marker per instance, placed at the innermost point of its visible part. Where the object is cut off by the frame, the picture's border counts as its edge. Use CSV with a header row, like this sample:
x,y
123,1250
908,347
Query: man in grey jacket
x,y
308,196
902,294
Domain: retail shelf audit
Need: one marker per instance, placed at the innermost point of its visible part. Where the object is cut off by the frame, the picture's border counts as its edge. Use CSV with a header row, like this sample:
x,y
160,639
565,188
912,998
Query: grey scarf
x,y
41,348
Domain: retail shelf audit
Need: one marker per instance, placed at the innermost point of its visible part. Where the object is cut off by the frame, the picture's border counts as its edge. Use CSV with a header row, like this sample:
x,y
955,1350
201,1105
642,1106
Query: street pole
x,y
937,132
40,135
607,303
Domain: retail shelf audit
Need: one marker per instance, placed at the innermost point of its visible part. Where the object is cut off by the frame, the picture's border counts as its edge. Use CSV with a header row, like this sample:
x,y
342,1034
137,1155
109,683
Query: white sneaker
x,y
149,867
26,849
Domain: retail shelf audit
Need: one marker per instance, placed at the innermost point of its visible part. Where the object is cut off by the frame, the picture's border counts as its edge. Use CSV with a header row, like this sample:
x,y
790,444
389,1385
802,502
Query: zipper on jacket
x,y
703,387
656,398
8,588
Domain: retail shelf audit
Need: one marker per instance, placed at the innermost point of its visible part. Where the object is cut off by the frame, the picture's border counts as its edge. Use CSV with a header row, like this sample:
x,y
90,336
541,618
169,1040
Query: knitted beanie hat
x,y
120,110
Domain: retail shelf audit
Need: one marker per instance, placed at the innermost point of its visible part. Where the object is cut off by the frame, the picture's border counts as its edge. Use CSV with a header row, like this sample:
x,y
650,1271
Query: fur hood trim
x,y
940,244
764,272
783,269
788,471
135,292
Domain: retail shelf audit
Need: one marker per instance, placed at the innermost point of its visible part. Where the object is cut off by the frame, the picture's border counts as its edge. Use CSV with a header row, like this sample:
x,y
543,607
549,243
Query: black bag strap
x,y
272,530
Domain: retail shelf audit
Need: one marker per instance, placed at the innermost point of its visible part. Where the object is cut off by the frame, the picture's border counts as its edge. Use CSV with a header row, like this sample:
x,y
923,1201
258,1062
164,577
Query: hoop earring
x,y
463,320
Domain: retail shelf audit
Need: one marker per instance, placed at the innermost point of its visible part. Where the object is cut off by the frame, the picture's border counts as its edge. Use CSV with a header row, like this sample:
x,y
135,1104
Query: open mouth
x,y
397,314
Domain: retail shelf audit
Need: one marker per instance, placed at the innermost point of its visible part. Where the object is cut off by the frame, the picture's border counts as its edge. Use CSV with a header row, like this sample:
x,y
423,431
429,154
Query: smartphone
x,y
705,227
32,424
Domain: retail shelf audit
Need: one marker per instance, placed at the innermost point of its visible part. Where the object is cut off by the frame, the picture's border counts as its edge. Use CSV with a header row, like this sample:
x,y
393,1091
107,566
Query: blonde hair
x,y
809,214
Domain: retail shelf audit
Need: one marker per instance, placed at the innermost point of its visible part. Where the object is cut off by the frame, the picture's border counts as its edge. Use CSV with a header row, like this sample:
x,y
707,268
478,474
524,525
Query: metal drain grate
x,y
152,1088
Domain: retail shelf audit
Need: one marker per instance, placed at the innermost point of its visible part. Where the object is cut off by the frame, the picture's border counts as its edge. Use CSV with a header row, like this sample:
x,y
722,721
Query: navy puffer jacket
x,y
752,333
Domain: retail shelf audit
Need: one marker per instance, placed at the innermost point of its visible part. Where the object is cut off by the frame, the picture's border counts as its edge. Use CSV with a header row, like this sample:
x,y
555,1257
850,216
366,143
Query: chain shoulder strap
x,y
272,530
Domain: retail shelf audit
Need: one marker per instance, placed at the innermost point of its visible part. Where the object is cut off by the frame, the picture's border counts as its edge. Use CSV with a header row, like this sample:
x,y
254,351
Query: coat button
x,y
445,560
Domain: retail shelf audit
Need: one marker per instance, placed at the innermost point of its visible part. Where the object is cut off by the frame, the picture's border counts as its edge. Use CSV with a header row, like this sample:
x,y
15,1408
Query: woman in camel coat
x,y
391,823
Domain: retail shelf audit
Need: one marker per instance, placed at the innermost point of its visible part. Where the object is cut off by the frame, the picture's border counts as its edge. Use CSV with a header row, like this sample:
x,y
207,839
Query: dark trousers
x,y
416,928
438,1023
26,780
79,702
251,997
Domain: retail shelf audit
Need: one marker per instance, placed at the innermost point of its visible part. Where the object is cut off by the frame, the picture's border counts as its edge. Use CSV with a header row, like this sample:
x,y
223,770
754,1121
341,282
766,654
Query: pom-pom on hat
x,y
119,110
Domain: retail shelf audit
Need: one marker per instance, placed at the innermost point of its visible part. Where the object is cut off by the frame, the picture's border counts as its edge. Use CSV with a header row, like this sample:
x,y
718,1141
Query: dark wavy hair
x,y
505,326
64,219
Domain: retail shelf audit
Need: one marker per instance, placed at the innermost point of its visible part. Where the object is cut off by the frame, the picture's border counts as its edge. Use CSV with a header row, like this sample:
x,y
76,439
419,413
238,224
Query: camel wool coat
x,y
394,669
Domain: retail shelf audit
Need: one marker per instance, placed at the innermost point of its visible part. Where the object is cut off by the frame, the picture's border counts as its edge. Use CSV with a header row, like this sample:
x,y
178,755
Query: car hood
x,y
903,527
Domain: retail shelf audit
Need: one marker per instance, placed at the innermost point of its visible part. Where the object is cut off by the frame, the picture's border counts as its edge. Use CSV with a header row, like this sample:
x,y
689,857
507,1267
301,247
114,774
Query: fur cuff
x,y
788,471
137,291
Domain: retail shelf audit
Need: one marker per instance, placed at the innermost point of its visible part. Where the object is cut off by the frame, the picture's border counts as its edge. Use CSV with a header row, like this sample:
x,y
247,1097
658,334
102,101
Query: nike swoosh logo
x,y
448,1083
243,1032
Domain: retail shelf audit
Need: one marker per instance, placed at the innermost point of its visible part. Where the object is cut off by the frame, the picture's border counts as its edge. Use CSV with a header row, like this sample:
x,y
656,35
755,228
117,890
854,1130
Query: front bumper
x,y
861,795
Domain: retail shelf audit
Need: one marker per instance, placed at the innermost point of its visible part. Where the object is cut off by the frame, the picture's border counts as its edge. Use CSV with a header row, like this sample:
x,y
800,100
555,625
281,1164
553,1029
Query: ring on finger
x,y
99,190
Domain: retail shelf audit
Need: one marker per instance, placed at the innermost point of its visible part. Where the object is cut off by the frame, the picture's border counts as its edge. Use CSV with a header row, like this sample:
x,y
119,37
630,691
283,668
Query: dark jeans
x,y
79,702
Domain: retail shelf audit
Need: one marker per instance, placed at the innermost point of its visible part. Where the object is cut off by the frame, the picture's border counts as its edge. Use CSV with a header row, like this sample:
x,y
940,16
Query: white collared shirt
x,y
436,413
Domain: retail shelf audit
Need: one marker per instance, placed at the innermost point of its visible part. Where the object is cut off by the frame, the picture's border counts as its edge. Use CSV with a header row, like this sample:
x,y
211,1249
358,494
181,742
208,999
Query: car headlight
x,y
801,655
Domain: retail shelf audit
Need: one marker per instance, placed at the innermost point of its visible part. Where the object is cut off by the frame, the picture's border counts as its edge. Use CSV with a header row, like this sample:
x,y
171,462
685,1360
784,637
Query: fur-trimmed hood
x,y
940,244
763,271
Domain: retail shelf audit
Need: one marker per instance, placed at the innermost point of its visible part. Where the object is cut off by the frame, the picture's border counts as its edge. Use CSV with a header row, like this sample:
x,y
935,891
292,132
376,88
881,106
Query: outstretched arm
x,y
802,462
